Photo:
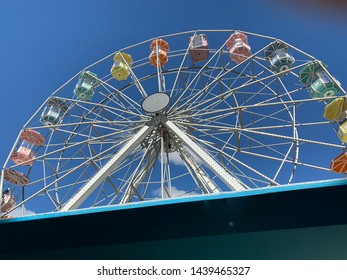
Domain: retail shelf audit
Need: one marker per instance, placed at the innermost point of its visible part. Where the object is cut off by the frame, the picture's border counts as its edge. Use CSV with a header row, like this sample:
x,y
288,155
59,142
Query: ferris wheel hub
x,y
155,102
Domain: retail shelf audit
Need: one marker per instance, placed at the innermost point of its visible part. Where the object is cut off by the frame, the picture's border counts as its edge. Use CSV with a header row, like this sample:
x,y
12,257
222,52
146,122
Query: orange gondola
x,y
158,56
339,164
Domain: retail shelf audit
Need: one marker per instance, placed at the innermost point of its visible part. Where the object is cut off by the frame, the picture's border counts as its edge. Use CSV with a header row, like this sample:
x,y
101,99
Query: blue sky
x,y
44,43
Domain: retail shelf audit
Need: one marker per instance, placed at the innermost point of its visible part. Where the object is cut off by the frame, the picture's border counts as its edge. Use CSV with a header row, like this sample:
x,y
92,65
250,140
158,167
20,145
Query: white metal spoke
x,y
232,182
272,182
200,71
82,194
226,94
217,78
180,70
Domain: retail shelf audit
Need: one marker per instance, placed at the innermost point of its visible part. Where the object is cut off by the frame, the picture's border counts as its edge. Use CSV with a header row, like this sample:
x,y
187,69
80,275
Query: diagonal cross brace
x,y
216,168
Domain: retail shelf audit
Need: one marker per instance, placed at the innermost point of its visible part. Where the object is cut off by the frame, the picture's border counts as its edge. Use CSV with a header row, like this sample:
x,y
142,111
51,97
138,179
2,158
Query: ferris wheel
x,y
191,113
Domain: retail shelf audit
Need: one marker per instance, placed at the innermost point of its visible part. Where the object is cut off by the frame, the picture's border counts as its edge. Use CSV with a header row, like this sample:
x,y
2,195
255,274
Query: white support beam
x,y
107,169
217,169
206,183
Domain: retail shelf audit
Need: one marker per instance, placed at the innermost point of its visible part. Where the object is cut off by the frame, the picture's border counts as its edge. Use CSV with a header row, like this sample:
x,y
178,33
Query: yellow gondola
x,y
121,66
342,132
336,110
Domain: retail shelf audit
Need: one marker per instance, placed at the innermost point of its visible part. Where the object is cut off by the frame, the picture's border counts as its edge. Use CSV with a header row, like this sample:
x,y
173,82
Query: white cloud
x,y
175,192
18,212
175,159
